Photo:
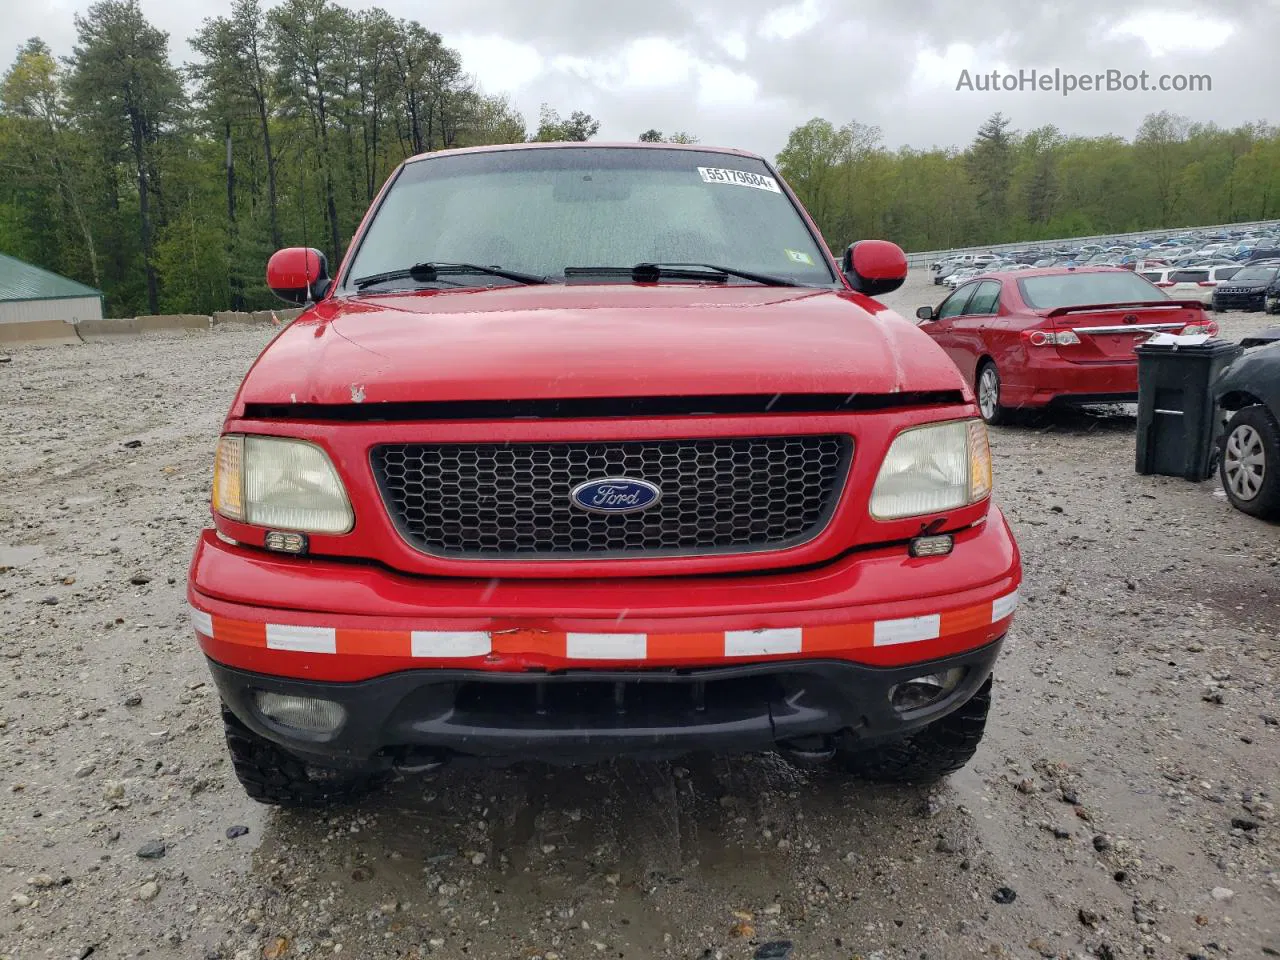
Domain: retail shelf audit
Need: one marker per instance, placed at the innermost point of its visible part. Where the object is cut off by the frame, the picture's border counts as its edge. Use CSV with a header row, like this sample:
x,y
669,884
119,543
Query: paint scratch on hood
x,y
894,349
357,393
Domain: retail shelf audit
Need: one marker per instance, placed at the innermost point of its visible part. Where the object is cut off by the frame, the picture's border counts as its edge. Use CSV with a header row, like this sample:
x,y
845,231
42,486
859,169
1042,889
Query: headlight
x,y
932,469
272,482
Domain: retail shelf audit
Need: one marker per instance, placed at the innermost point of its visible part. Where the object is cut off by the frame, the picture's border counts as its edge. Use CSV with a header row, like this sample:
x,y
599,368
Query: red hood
x,y
551,342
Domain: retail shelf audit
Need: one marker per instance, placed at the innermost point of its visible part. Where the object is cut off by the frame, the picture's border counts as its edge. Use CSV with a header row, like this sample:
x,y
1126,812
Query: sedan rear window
x,y
1080,289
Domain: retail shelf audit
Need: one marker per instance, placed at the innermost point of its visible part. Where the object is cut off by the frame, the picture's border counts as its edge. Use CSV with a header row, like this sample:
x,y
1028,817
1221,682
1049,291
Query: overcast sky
x,y
745,72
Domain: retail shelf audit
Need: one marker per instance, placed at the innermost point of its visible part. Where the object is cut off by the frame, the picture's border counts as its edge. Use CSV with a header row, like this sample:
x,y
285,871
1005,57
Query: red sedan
x,y
1056,335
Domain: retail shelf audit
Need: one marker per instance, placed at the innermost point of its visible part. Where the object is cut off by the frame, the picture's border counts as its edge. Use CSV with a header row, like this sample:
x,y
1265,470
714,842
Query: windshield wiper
x,y
653,272
433,270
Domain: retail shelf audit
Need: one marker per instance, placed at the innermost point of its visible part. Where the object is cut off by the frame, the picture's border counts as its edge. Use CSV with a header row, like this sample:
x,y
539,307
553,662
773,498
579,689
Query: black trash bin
x,y
1177,421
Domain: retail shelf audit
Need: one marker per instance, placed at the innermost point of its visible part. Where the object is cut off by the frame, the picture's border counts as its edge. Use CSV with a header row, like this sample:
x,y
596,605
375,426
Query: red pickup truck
x,y
594,449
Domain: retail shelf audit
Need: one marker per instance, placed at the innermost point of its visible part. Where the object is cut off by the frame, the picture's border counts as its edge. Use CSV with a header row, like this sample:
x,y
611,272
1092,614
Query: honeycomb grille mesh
x,y
496,501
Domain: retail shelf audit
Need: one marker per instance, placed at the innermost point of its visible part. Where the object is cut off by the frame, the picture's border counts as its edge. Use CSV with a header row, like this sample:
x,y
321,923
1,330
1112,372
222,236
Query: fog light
x,y
937,546
922,691
283,542
301,713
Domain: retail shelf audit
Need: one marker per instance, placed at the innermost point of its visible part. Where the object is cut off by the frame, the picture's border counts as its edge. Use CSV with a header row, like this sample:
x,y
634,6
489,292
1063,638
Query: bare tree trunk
x,y
144,216
235,281
272,215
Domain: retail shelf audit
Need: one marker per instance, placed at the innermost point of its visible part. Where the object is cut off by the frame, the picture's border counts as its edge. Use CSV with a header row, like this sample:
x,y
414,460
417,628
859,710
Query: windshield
x,y
1081,289
539,211
1255,274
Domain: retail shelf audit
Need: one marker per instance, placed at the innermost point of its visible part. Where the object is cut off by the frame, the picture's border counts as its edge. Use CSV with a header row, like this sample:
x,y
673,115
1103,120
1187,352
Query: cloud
x,y
746,72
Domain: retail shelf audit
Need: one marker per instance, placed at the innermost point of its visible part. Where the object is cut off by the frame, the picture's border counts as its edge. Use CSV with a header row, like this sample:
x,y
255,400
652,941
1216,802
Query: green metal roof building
x,y
30,294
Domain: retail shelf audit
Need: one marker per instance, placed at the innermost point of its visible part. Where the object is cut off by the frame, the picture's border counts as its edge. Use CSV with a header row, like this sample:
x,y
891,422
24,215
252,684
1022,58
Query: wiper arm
x,y
432,270
653,272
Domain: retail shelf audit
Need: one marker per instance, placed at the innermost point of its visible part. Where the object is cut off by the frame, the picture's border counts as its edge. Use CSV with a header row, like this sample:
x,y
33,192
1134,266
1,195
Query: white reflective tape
x,y
606,646
759,643
1004,606
302,639
909,630
201,622
450,643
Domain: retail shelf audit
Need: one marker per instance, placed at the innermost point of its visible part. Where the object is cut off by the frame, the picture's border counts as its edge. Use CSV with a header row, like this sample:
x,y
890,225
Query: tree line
x,y
1009,187
167,186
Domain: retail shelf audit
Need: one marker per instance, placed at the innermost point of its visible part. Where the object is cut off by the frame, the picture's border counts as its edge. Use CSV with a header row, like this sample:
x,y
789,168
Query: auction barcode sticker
x,y
741,177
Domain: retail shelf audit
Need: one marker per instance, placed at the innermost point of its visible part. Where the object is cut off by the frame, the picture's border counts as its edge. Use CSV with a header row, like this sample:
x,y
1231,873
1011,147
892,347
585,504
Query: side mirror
x,y
925,313
874,267
298,274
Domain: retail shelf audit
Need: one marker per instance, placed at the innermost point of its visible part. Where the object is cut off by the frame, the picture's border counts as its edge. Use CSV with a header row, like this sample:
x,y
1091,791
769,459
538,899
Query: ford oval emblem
x,y
615,495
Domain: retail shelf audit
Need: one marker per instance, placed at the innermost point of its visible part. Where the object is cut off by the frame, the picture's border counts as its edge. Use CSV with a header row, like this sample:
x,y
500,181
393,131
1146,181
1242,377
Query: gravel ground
x,y
1122,804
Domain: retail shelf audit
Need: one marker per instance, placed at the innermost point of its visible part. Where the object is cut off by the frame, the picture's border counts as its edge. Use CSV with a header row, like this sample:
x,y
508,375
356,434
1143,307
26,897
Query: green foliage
x,y
168,188
171,195
1008,186
655,136
552,128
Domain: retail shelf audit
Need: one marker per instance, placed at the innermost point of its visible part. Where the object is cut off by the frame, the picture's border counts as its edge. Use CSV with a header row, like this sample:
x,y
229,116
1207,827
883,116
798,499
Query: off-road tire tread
x,y
1266,505
929,754
272,776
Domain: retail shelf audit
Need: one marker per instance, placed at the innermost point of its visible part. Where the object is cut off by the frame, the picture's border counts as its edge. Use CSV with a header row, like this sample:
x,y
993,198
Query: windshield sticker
x,y
740,177
799,256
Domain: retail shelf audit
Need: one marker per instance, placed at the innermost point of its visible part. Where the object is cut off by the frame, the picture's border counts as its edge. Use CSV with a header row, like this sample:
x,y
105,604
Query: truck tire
x,y
270,775
929,754
1249,466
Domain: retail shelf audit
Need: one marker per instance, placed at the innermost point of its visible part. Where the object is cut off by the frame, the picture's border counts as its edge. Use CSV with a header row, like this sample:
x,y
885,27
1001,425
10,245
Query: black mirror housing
x,y
925,313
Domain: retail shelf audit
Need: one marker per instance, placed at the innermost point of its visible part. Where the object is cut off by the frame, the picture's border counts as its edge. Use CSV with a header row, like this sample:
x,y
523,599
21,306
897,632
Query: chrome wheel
x,y
989,392
1244,462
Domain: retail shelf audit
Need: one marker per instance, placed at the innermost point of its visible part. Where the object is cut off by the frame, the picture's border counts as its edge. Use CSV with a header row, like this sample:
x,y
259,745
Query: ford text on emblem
x,y
615,495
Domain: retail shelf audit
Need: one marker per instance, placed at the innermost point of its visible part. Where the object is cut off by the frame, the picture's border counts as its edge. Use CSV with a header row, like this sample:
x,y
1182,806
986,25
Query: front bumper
x,y
422,717
1240,301
398,648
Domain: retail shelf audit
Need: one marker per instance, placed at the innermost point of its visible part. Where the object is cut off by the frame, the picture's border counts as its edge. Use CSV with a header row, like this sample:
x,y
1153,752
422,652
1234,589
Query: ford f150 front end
x,y
590,450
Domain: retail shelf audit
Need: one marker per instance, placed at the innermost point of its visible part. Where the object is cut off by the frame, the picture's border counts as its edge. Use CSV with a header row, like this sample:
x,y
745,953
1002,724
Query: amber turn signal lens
x,y
228,490
979,461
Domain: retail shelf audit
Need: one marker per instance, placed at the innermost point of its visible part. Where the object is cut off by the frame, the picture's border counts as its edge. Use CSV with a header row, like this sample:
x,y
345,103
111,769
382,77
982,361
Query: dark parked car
x,y
1249,464
1247,290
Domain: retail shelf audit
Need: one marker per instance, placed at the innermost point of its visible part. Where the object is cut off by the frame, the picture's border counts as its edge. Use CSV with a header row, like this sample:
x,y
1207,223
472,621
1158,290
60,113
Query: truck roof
x,y
592,144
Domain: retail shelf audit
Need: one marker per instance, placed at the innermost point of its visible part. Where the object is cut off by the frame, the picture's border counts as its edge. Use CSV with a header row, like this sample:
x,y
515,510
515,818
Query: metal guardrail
x,y
926,257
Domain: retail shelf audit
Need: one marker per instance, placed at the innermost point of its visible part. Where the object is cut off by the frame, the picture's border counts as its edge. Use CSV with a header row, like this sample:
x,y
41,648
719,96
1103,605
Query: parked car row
x,y
1193,264
1055,335
1032,338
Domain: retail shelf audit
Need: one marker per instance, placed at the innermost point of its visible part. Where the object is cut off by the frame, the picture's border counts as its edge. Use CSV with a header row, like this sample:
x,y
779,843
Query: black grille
x,y
496,501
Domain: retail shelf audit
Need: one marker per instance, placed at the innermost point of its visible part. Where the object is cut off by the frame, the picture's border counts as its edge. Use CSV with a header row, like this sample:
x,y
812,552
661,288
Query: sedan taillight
x,y
1050,338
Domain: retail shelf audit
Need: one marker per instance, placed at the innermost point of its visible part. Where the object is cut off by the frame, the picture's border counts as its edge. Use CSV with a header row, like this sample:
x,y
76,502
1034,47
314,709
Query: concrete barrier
x,y
117,326
224,318
64,332
38,333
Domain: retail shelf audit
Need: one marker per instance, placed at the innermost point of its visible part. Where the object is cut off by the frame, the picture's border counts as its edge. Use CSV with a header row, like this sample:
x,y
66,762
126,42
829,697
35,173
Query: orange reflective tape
x,y
246,633
965,619
832,639
381,643
686,646
519,641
